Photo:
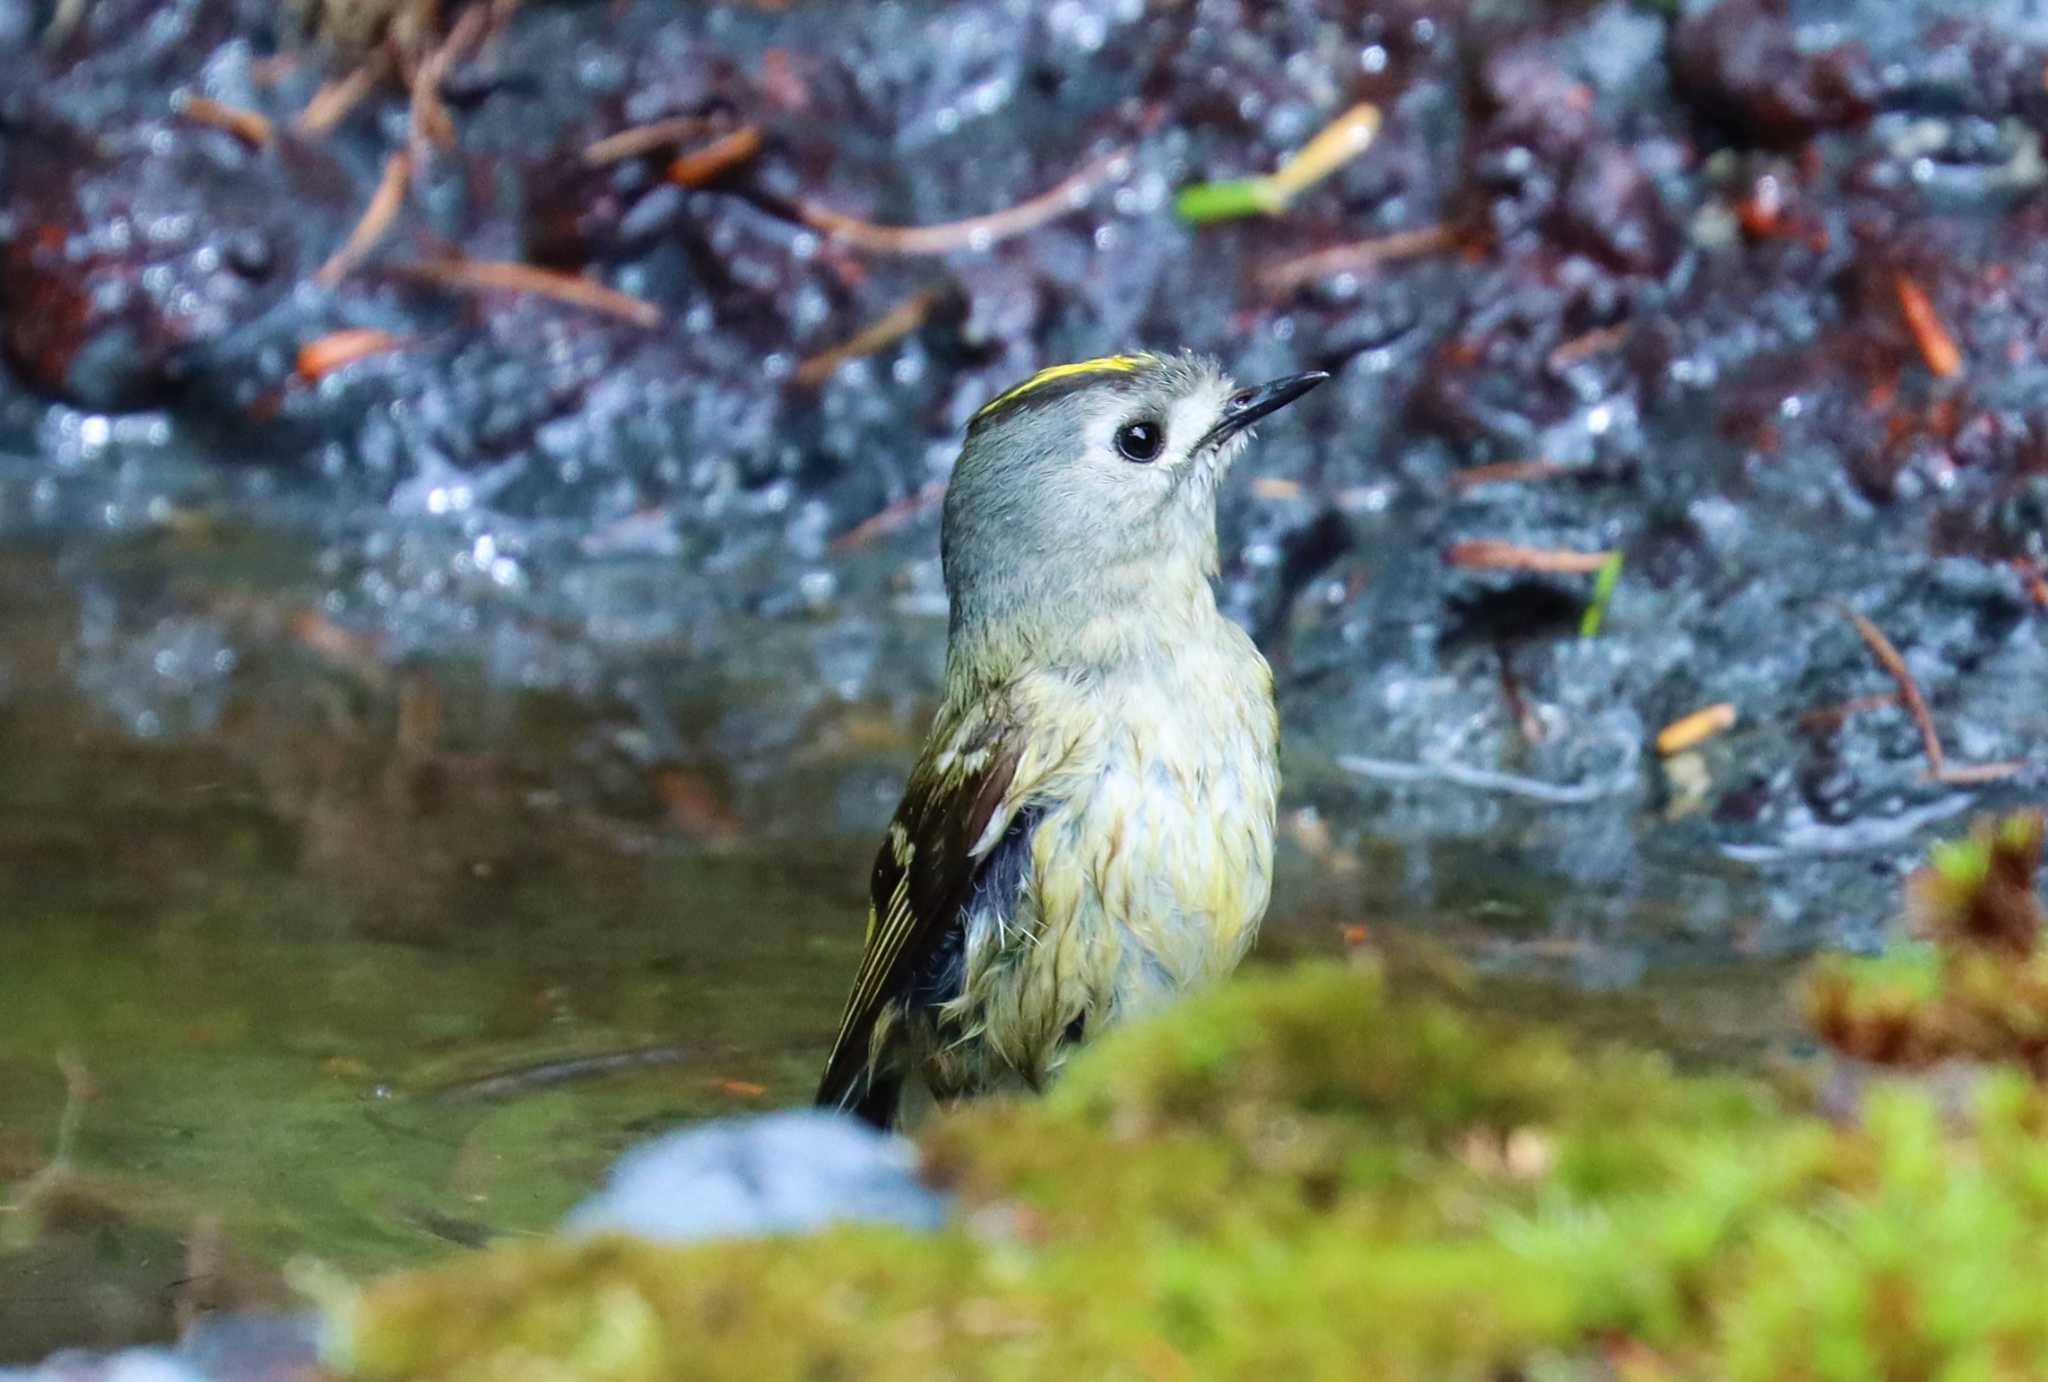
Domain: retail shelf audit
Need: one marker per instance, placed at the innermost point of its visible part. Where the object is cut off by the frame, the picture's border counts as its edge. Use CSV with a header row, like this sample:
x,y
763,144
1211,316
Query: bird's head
x,y
1094,483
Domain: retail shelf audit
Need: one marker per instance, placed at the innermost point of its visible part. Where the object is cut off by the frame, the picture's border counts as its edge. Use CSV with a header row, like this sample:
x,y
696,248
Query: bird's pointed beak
x,y
1247,406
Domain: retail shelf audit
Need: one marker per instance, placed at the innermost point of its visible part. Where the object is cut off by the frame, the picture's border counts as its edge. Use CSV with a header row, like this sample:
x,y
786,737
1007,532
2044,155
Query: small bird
x,y
1088,830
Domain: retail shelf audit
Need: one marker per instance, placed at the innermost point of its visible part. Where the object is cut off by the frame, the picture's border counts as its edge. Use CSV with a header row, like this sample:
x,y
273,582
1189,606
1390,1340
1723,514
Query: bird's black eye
x,y
1140,441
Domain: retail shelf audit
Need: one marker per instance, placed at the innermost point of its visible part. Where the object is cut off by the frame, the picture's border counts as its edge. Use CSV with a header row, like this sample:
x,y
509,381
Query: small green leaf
x,y
1203,202
1603,594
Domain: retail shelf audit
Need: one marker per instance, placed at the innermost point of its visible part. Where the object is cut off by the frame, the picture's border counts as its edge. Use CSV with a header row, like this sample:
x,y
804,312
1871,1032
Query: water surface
x,y
316,951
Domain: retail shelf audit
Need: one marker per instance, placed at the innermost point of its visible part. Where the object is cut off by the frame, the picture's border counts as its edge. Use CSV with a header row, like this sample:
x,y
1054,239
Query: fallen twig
x,y
27,1199
377,218
1588,344
547,1074
1507,473
1359,256
721,155
463,1233
428,123
1826,719
476,275
251,127
977,232
267,72
1527,722
334,100
1486,554
1938,768
197,1293
897,515
645,139
898,322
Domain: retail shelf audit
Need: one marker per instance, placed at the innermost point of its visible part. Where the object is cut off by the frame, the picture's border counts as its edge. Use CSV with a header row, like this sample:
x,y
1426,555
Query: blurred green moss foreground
x,y
1307,1174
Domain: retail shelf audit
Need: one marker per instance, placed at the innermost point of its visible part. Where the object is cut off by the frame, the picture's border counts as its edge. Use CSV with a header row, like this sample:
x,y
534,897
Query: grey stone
x,y
795,1171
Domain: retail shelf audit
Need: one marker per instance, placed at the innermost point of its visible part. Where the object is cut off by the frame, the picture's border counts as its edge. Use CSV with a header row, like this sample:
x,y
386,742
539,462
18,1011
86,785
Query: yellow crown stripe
x,y
1052,374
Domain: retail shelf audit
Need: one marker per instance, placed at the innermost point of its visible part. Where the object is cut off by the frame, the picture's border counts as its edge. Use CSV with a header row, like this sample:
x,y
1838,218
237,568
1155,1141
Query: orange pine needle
x,y
1486,554
1689,731
644,139
1938,768
428,121
906,317
1068,195
377,218
337,349
2035,580
497,275
721,155
1588,344
334,100
1937,347
251,127
1360,256
898,515
1507,473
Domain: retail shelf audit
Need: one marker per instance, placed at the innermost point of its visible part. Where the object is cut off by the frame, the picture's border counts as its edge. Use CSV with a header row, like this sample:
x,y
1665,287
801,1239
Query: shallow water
x,y
318,954
352,962
418,781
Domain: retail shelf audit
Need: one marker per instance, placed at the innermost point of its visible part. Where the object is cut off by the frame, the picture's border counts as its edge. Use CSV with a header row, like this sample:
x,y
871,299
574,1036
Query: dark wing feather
x,y
923,878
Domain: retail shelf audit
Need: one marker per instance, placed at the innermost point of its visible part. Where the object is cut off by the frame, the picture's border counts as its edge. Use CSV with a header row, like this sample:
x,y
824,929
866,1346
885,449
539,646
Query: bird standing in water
x,y
1088,831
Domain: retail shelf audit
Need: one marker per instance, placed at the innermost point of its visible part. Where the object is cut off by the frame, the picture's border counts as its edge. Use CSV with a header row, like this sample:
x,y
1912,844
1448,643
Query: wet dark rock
x,y
1612,211
129,250
1672,262
1741,65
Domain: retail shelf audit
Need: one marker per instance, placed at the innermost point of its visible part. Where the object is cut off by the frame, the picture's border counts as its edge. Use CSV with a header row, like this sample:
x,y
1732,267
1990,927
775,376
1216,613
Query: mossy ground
x,y
1306,1175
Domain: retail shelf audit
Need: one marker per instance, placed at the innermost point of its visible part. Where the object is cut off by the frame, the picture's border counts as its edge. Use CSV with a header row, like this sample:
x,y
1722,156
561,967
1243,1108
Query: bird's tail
x,y
869,1089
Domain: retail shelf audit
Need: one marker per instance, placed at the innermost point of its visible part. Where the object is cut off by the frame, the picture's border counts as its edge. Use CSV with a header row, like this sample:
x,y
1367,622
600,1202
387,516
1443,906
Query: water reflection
x,y
315,949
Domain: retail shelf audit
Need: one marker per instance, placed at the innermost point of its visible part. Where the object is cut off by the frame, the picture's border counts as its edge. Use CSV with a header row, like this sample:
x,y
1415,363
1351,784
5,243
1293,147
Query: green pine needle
x,y
1603,595
1204,202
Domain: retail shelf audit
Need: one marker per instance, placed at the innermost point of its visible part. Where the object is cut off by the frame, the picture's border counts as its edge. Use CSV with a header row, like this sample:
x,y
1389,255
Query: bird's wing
x,y
960,800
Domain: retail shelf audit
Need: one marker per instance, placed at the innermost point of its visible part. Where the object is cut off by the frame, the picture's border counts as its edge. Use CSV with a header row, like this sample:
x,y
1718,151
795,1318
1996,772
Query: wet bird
x,y
1088,830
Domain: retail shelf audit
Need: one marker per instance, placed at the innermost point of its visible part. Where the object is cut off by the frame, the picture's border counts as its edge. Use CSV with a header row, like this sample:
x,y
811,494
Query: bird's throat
x,y
1134,612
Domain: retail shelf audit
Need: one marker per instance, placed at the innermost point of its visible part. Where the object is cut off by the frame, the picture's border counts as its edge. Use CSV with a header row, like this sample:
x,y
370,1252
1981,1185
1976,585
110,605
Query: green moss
x,y
1976,989
1302,1174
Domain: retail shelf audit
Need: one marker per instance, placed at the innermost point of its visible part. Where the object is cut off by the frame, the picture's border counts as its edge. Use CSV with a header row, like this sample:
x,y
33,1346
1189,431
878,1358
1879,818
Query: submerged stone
x,y
796,1171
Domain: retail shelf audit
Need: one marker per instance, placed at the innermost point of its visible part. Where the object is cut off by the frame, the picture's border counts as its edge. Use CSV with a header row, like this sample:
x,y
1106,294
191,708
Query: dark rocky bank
x,y
1753,294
